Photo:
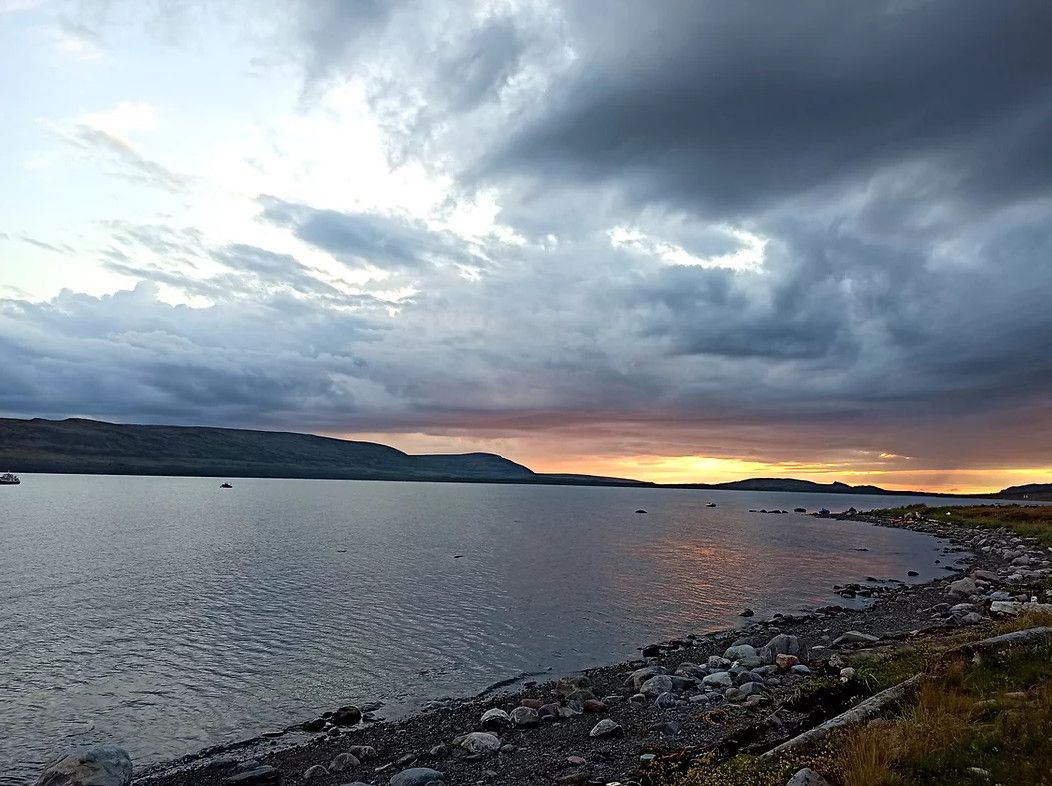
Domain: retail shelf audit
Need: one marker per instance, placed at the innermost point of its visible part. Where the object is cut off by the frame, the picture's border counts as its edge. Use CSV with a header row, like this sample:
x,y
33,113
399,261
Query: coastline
x,y
691,720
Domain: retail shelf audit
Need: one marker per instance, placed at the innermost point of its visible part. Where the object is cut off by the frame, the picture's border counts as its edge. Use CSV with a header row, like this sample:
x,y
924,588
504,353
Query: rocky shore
x,y
747,689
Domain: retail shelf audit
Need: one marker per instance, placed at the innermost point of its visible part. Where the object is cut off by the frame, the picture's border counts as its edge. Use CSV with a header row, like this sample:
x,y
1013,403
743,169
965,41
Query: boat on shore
x,y
7,479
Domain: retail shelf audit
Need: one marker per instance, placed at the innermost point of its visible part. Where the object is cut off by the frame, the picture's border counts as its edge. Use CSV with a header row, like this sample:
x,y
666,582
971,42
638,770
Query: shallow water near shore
x,y
167,614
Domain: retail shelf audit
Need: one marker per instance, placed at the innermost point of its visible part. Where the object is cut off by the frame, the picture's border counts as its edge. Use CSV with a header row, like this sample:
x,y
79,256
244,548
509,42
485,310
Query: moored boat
x,y
7,479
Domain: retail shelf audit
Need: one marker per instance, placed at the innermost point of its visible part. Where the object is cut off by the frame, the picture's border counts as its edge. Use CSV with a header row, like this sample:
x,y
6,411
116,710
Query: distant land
x,y
82,446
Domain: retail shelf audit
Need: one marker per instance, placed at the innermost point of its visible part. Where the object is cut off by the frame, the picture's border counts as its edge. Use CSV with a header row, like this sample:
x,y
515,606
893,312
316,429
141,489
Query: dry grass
x,y
1033,521
994,717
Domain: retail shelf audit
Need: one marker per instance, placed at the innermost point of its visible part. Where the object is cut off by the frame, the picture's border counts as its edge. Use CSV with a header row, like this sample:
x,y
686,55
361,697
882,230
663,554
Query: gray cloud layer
x,y
895,157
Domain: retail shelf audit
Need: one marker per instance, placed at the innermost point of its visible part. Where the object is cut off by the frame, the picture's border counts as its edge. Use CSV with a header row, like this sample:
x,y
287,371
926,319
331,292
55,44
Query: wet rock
x,y
344,761
347,716
651,651
912,573
593,706
718,663
807,777
525,716
495,719
747,613
317,771
317,724
800,670
440,751
417,776
605,728
102,765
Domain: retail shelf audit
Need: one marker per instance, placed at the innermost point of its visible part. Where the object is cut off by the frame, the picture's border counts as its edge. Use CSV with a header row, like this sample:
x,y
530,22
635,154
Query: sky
x,y
669,241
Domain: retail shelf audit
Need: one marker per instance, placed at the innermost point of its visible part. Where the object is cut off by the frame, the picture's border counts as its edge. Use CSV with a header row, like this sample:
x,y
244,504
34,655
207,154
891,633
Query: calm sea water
x,y
165,614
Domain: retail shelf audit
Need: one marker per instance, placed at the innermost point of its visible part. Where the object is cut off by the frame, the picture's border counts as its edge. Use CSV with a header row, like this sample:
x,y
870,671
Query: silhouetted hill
x,y
94,447
805,486
1040,491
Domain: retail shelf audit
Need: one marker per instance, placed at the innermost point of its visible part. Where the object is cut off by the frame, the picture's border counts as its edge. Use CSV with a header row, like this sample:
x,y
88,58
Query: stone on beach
x,y
495,718
362,752
740,652
260,775
479,742
656,685
102,765
525,716
783,644
855,637
347,716
721,679
807,777
417,776
963,587
605,728
343,761
317,771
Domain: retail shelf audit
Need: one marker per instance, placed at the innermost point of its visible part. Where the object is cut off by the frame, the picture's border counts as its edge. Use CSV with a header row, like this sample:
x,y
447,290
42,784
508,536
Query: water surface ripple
x,y
166,614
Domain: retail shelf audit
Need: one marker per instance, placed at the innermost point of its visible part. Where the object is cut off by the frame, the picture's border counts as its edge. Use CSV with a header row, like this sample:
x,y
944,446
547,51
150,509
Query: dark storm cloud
x,y
893,158
729,107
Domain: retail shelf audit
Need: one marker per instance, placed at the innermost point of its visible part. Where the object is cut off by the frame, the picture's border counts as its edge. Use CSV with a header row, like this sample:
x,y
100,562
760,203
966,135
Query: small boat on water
x,y
225,486
710,505
7,479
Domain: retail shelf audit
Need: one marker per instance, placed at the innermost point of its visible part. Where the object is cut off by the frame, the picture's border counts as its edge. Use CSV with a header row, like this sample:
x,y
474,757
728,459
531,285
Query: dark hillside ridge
x,y
82,446
809,486
93,447
1038,491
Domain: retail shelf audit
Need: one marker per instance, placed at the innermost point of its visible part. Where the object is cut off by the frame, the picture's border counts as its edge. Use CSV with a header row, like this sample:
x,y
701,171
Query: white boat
x,y
7,479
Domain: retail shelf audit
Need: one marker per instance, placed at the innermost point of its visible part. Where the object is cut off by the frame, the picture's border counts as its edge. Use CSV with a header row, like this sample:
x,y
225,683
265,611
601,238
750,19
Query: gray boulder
x,y
103,765
963,587
495,719
317,771
720,679
481,743
657,685
639,676
783,644
416,776
740,652
807,777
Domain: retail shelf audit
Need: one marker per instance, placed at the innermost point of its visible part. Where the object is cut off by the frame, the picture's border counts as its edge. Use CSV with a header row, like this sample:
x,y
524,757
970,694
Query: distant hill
x,y
93,447
805,486
78,445
1038,491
